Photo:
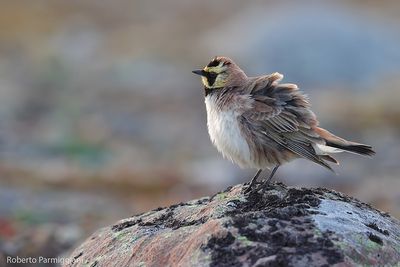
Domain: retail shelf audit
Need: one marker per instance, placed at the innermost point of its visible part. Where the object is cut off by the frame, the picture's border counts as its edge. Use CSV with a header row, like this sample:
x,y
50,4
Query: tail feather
x,y
340,143
359,149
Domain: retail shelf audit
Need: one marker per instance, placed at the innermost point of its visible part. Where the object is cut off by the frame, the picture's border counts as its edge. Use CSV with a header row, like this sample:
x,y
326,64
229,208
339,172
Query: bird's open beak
x,y
199,72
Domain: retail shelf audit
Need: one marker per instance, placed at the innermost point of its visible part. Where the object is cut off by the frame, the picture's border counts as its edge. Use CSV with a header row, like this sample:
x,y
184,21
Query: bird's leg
x,y
266,183
253,181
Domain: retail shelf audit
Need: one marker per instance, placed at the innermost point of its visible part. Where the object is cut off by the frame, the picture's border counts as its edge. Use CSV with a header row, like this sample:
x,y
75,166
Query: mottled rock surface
x,y
283,226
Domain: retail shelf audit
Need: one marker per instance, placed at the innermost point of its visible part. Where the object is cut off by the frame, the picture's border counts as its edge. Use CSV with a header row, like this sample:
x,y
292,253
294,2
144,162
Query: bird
x,y
261,123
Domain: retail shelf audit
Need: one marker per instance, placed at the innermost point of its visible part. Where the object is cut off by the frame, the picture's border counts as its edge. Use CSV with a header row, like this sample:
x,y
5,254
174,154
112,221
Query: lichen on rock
x,y
283,226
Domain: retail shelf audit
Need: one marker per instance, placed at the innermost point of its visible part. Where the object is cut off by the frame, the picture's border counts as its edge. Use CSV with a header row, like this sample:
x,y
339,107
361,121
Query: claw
x,y
254,187
247,190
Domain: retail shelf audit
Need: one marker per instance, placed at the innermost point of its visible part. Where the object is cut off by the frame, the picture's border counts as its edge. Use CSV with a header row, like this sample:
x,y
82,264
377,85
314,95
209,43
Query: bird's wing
x,y
282,113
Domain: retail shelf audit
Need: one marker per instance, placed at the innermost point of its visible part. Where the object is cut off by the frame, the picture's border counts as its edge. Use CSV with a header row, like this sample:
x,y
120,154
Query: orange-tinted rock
x,y
282,227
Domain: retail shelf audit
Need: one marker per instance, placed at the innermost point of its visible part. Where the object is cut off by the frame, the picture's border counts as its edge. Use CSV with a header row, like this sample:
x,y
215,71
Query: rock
x,y
284,226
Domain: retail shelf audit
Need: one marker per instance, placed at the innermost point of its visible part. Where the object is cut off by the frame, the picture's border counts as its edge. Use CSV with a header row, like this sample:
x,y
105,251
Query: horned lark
x,y
259,123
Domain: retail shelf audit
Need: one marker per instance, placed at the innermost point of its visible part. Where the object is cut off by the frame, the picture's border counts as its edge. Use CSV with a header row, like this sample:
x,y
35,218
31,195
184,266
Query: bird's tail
x,y
336,142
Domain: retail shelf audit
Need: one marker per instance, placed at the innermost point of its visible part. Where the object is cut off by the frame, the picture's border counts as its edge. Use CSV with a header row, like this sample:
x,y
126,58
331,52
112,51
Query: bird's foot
x,y
251,187
257,187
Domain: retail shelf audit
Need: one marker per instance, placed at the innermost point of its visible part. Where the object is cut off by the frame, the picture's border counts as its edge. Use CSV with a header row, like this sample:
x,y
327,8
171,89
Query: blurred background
x,y
101,117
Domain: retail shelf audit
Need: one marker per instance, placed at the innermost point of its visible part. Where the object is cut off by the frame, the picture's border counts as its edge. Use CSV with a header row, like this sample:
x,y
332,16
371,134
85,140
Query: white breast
x,y
225,133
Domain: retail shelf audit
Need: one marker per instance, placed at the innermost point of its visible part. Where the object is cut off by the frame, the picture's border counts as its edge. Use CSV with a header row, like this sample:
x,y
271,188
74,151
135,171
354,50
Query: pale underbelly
x,y
226,135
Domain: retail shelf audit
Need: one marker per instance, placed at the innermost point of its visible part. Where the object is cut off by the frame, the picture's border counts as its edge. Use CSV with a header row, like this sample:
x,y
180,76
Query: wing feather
x,y
283,114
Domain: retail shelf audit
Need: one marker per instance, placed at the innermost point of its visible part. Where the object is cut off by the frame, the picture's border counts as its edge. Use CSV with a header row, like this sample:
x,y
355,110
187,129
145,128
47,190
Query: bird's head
x,y
221,72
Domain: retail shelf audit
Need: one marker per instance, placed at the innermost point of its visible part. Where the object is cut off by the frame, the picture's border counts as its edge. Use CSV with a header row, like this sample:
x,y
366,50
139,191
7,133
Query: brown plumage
x,y
259,123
